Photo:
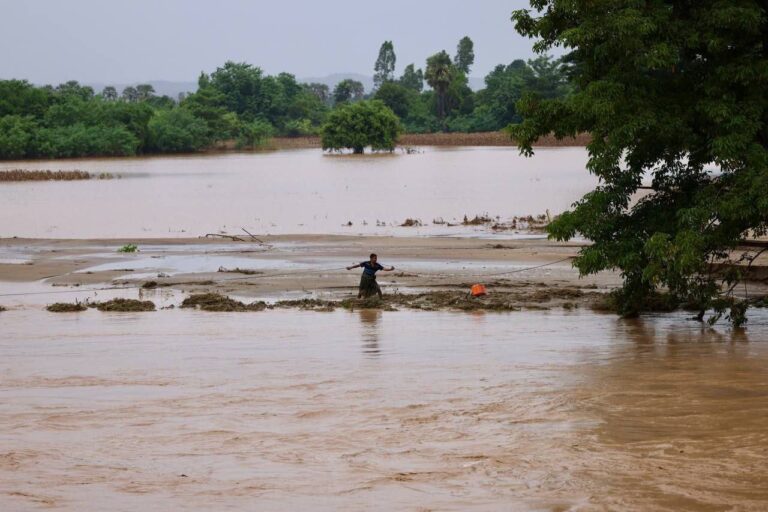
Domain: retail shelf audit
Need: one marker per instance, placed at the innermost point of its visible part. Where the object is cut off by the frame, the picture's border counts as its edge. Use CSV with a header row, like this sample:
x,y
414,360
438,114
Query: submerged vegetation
x,y
128,248
238,102
124,305
502,299
120,305
66,307
360,125
46,175
218,302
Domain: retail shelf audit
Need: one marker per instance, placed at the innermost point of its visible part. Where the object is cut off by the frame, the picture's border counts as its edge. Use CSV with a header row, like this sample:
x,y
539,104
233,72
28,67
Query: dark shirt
x,y
370,270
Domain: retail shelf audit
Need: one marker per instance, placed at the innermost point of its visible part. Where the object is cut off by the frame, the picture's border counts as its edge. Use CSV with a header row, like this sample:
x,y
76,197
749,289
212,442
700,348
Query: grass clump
x,y
128,248
66,307
124,305
220,303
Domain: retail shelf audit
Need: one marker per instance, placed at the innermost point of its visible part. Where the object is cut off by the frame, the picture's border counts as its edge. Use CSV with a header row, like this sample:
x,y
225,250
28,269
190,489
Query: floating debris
x,y
124,305
218,302
307,304
238,270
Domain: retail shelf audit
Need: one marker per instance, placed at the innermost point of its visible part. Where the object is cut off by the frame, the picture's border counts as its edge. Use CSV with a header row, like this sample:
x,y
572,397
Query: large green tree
x,y
357,126
672,93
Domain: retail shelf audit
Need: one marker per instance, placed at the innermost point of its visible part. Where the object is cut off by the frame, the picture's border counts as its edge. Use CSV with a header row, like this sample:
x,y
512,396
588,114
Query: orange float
x,y
478,290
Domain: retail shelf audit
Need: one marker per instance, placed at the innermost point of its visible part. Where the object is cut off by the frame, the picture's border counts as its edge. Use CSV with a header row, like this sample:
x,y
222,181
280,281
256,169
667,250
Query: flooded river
x,y
289,192
370,410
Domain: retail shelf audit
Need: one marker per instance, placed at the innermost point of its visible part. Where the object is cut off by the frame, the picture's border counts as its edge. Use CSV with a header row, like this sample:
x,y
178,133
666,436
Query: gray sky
x,y
51,41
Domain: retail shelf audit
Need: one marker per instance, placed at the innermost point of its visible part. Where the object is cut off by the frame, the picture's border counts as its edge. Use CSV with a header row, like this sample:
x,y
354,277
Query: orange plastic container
x,y
478,290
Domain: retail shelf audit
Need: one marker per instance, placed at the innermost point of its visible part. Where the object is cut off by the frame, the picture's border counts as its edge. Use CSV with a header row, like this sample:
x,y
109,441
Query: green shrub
x,y
175,131
254,134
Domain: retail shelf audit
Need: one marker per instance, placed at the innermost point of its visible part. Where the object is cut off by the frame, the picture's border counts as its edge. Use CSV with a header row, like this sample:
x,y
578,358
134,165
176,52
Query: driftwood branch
x,y
219,235
253,237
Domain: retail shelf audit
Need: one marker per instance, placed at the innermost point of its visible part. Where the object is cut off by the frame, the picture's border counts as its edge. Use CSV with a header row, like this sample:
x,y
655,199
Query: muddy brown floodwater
x,y
290,192
371,410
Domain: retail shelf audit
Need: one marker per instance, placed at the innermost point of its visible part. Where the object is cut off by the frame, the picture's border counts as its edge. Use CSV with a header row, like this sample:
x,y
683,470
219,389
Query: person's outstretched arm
x,y
353,266
390,269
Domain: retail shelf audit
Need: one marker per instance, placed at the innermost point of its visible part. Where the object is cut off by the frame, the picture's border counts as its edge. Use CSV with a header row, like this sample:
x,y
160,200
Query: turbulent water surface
x,y
180,410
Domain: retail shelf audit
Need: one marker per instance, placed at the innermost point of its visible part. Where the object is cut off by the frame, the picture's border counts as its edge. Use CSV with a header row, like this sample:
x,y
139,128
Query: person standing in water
x,y
368,284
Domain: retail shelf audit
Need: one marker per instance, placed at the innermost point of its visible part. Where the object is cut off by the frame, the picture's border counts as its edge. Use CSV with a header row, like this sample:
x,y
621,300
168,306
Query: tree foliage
x,y
398,98
255,134
238,102
176,131
674,93
465,55
359,125
440,75
348,90
412,78
384,68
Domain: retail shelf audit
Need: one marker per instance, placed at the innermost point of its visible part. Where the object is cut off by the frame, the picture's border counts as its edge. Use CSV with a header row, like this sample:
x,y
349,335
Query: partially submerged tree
x,y
384,69
673,92
359,125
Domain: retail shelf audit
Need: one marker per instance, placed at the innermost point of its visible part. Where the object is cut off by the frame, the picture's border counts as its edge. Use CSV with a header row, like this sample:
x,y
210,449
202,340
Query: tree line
x,y
239,102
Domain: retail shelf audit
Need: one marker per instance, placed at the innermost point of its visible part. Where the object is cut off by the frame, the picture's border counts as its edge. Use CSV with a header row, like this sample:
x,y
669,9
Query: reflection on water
x,y
528,411
291,192
369,321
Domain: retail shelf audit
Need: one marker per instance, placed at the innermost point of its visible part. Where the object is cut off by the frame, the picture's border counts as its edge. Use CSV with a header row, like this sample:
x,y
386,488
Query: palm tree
x,y
439,75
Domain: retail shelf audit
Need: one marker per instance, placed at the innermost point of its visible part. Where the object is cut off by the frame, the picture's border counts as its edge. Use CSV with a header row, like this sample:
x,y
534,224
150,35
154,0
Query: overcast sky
x,y
51,41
